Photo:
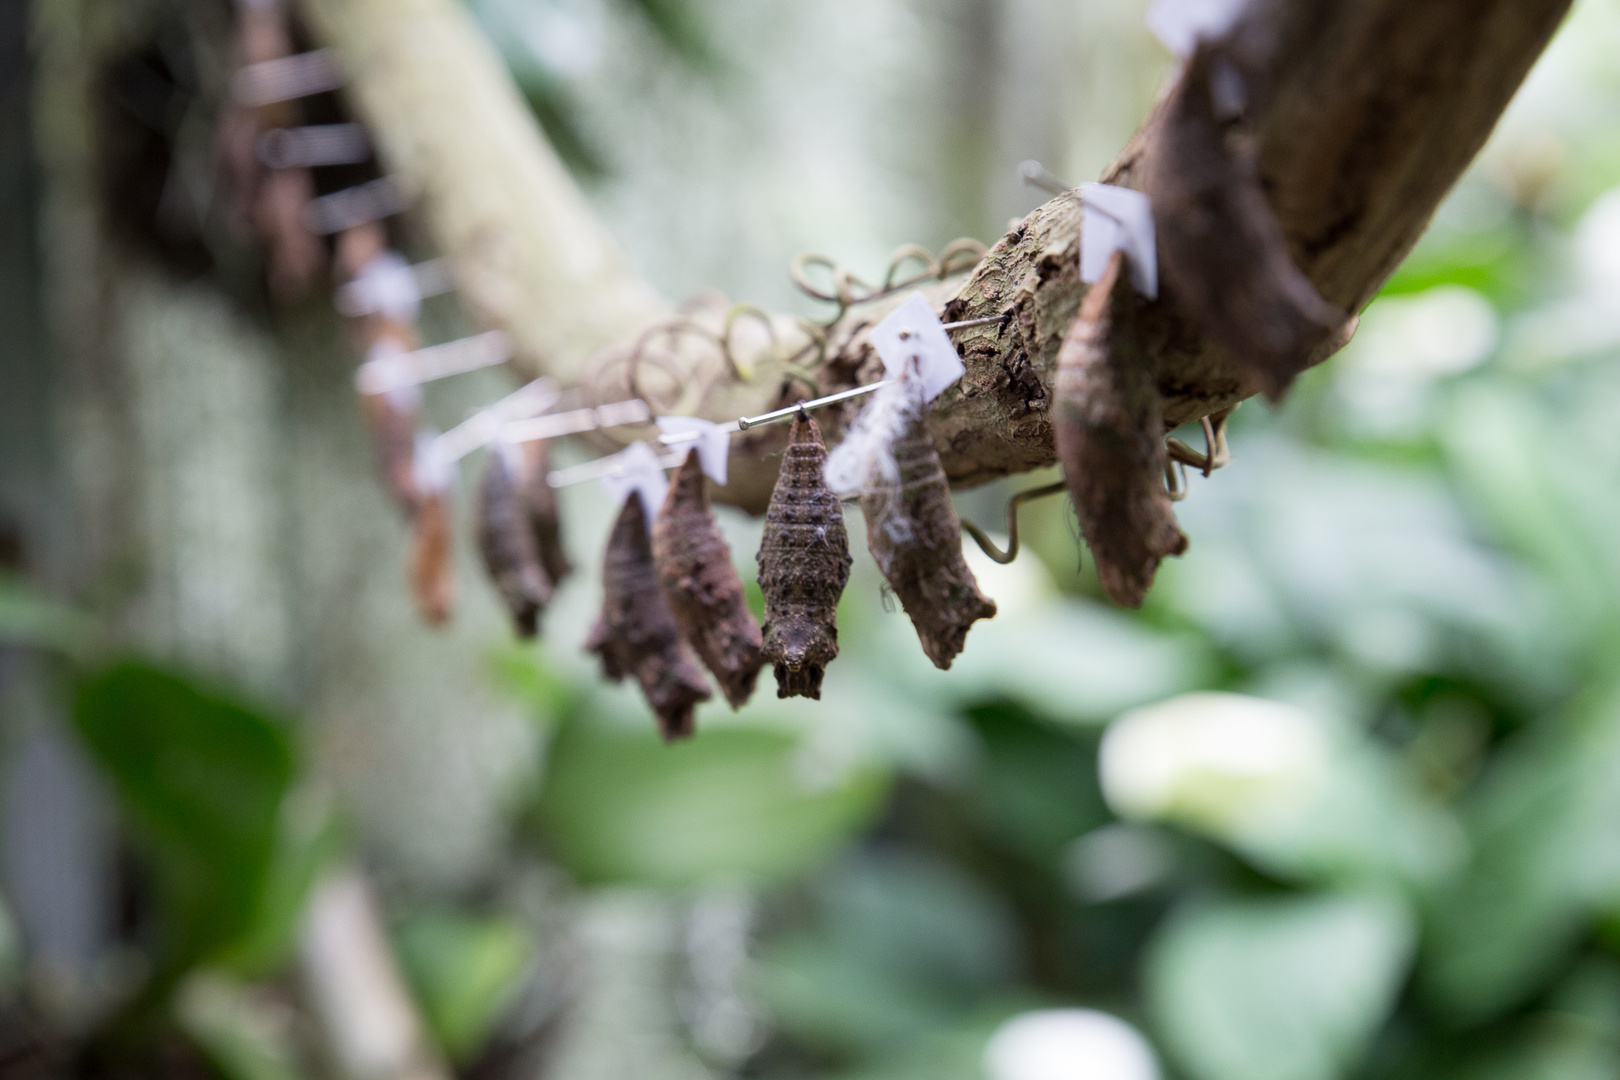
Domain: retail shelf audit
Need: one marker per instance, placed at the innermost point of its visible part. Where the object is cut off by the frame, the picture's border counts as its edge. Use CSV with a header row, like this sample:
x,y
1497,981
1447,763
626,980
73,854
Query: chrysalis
x,y
506,539
1222,250
540,505
803,566
636,634
1108,423
391,419
916,539
694,565
432,573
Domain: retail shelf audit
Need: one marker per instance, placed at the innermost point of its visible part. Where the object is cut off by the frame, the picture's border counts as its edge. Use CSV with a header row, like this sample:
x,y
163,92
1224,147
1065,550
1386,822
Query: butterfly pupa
x,y
636,635
803,566
704,592
916,539
540,507
431,571
1108,424
507,542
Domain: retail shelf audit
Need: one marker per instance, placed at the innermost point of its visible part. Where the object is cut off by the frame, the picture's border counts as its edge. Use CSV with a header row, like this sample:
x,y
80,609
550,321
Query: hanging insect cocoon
x,y
704,592
636,635
506,539
804,565
915,537
432,572
540,508
1108,423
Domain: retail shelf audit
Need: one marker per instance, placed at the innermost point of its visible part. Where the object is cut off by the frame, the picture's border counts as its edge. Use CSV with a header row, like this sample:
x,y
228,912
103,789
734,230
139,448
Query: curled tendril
x,y
847,290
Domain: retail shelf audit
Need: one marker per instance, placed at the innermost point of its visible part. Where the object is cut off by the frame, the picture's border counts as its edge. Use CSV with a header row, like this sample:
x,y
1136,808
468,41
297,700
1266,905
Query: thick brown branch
x,y
1369,114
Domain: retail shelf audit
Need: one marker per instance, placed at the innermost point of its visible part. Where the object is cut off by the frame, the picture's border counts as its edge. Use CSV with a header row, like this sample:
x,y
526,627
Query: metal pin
x,y
1034,173
488,424
287,77
972,322
603,466
614,414
314,145
396,370
363,296
779,416
353,206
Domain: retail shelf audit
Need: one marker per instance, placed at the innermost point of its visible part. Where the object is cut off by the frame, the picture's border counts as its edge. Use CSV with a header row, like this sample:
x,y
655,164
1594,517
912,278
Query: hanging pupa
x,y
636,635
506,540
540,506
704,592
391,419
1108,423
432,572
803,566
915,537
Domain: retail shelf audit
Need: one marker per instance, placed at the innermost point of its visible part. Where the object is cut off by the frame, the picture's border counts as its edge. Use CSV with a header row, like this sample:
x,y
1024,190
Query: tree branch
x,y
1370,113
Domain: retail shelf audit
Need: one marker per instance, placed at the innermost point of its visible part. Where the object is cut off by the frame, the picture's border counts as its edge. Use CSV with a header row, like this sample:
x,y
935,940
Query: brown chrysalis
x,y
506,540
704,592
540,507
915,537
1222,252
1108,423
636,634
803,566
391,420
432,572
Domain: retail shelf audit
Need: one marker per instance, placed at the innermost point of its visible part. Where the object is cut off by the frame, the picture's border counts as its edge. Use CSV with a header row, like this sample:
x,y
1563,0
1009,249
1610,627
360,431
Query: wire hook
x,y
982,538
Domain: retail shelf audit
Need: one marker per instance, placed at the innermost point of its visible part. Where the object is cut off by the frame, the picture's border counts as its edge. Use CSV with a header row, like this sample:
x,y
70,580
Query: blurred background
x,y
1342,800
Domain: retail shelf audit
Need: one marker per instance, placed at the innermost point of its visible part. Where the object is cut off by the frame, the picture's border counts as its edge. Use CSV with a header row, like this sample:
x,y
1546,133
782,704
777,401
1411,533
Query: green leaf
x,y
620,806
1545,827
463,971
308,840
1278,989
905,944
200,780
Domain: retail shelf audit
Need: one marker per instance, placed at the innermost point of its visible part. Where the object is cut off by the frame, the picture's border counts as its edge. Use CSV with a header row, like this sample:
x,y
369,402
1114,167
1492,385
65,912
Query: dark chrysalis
x,y
432,572
636,635
915,537
1109,427
506,540
1222,250
540,506
803,566
694,565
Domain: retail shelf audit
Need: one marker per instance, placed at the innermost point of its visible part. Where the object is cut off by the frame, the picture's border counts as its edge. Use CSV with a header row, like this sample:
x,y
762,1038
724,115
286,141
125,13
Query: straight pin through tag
x,y
392,368
313,146
286,78
371,201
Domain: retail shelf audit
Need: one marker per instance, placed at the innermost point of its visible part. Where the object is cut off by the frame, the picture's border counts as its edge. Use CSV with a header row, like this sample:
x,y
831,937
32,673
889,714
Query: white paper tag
x,y
1182,24
1118,219
913,331
430,470
636,468
387,286
713,441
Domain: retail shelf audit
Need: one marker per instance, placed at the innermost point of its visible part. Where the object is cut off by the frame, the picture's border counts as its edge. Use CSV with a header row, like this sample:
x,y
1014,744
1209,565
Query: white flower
x,y
1068,1044
1221,761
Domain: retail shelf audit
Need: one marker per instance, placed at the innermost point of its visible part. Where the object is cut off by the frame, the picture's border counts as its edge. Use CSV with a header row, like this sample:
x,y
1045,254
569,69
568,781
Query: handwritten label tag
x,y
913,332
636,468
713,442
1118,219
1182,24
